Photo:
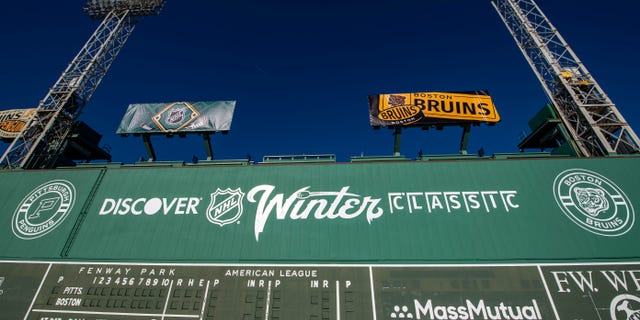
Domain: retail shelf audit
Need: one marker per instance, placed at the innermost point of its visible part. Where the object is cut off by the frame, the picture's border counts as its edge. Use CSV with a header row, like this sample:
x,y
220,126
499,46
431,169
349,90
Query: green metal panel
x,y
39,210
411,212
122,291
426,239
544,115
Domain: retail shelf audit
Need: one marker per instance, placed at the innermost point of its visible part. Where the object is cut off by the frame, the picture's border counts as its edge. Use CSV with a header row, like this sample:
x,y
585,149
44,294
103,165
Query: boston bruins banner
x,y
209,116
430,108
12,122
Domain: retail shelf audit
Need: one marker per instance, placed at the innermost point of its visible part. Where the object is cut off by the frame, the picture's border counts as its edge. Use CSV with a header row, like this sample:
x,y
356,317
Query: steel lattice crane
x,y
42,140
595,126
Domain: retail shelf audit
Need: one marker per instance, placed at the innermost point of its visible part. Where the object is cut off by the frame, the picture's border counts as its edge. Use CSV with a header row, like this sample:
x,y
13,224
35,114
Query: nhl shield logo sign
x,y
225,206
176,116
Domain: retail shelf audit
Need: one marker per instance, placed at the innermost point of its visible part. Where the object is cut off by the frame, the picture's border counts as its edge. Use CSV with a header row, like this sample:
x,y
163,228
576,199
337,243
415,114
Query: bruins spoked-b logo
x,y
43,209
593,202
225,206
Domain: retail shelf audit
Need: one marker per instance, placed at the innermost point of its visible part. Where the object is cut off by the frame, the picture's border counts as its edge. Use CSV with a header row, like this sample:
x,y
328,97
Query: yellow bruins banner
x,y
429,108
12,122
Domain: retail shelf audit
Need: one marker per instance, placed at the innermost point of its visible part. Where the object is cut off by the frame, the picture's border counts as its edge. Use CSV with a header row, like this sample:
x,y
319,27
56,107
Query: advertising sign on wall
x,y
13,121
208,116
344,213
405,212
431,108
530,239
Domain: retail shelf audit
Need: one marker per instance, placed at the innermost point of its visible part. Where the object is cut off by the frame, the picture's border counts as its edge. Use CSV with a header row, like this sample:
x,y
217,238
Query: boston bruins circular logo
x,y
43,209
593,202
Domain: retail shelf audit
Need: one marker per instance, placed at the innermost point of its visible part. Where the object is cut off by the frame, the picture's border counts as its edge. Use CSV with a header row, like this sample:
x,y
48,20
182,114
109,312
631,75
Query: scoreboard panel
x,y
105,291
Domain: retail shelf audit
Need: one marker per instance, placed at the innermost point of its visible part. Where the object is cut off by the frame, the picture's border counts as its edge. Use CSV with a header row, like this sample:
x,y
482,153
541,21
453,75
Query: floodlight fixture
x,y
43,145
99,9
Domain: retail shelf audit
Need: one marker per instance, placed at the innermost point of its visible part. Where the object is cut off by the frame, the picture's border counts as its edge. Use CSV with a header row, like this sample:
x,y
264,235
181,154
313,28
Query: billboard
x,y
404,212
12,122
431,108
158,118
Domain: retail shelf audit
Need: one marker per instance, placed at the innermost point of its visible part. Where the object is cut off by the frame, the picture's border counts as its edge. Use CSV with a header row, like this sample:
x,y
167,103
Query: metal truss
x,y
43,139
594,123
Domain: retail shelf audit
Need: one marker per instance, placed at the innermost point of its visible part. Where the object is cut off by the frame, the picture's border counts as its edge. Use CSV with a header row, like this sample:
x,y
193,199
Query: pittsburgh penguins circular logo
x,y
43,209
593,202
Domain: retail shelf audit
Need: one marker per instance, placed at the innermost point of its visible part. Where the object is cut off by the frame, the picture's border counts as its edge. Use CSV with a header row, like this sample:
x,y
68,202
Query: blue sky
x,y
301,70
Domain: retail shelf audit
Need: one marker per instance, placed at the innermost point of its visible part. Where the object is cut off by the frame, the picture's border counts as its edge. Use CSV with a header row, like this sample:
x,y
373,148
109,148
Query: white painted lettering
x,y
301,203
616,281
561,281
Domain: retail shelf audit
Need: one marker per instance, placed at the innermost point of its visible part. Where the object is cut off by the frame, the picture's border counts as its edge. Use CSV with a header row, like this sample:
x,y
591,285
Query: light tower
x,y
43,139
594,124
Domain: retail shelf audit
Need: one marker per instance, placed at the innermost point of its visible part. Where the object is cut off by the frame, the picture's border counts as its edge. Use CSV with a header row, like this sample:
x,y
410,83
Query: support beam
x,y
147,144
464,142
594,124
207,145
39,144
397,137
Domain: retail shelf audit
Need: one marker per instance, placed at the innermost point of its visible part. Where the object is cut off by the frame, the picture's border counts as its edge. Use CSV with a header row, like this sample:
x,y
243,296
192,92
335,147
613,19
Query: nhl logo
x,y
176,116
225,206
593,202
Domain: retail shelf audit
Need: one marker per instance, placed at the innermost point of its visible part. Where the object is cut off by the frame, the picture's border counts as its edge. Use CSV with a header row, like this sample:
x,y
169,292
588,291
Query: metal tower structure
x,y
43,139
594,123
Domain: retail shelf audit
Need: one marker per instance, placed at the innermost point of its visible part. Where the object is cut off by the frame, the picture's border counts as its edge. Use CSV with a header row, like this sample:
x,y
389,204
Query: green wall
x,y
471,211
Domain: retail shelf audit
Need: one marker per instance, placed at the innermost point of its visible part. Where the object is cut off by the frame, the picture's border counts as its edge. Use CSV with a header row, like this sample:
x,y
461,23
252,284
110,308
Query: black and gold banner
x,y
431,108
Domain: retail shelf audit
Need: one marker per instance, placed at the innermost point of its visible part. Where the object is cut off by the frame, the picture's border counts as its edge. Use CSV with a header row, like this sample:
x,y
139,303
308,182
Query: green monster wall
x,y
473,239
